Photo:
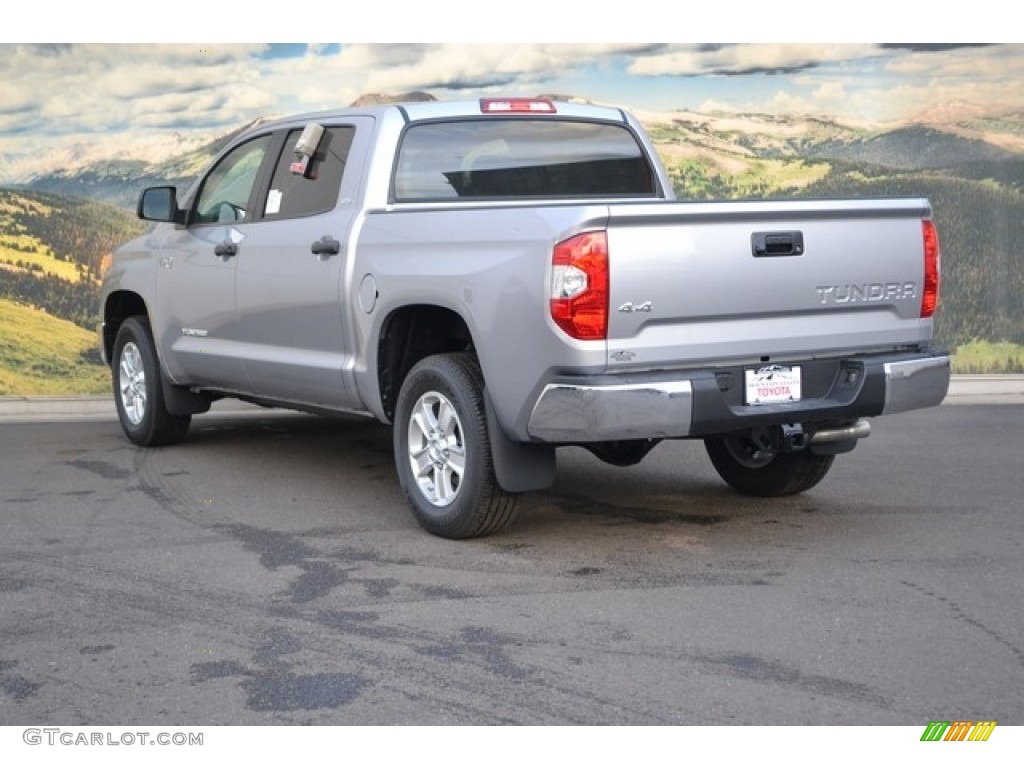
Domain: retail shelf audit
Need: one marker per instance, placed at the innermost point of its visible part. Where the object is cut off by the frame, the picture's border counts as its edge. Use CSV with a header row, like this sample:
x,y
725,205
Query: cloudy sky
x,y
65,103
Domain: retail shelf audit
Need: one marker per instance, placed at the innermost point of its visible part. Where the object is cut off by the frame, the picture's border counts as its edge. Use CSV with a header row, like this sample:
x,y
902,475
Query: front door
x,y
196,312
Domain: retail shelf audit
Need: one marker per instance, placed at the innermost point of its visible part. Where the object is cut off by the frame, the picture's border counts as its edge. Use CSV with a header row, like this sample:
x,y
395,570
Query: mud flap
x,y
180,401
519,467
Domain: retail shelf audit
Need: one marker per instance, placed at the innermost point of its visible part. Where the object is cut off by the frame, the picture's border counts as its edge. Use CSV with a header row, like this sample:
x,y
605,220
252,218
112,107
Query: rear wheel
x,y
137,391
443,453
754,468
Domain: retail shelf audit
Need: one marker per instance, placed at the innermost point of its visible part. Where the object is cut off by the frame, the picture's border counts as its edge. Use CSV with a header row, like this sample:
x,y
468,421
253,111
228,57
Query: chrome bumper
x,y
597,410
913,384
567,413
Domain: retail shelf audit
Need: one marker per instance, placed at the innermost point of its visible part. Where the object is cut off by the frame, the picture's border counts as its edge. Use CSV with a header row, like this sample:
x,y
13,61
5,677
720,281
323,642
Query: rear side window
x,y
293,195
516,158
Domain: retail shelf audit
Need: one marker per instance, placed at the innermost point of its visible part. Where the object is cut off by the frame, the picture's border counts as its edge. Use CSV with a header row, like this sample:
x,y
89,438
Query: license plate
x,y
773,384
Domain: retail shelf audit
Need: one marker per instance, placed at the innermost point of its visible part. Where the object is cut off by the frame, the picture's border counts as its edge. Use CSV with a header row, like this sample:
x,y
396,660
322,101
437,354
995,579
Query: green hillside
x,y
44,355
980,224
52,251
68,230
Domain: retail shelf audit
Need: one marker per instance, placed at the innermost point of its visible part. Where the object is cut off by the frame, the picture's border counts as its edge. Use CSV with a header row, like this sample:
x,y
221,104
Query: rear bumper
x,y
709,402
912,384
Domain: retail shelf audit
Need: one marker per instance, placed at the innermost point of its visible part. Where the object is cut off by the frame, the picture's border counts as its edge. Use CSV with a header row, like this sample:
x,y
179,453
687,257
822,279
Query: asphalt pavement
x,y
267,571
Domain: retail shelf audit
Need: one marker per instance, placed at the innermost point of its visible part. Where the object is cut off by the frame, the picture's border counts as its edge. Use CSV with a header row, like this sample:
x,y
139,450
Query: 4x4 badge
x,y
629,306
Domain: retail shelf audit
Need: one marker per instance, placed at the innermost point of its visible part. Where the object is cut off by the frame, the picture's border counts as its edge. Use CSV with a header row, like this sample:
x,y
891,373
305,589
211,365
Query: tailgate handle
x,y
777,243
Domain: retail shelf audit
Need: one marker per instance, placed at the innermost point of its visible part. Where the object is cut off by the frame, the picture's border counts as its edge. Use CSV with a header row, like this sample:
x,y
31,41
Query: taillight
x,y
579,285
930,296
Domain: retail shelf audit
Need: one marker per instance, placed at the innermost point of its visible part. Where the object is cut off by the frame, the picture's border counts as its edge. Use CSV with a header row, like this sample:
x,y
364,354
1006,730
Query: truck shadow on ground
x,y
675,485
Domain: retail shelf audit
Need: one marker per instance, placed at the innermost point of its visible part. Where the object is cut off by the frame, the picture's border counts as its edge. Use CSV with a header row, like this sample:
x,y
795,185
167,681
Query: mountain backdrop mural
x,y
61,217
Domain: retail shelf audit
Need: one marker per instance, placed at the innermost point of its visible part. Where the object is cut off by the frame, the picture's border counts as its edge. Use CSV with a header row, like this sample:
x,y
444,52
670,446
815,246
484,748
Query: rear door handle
x,y
325,246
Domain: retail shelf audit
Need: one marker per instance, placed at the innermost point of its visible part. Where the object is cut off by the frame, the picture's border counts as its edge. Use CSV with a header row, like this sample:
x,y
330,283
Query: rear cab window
x,y
502,158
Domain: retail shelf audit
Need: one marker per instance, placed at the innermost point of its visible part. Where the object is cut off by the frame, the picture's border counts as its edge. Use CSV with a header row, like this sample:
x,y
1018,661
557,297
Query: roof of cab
x,y
433,110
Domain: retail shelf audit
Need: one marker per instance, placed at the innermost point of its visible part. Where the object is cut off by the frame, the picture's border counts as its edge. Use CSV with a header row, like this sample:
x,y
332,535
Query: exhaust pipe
x,y
857,431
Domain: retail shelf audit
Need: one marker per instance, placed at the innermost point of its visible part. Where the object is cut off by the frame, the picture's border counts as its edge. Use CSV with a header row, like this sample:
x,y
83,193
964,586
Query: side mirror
x,y
158,204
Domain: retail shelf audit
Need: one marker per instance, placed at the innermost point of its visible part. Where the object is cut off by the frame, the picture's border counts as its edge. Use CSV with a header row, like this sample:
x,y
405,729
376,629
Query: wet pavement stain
x,y
445,652
16,686
277,643
275,549
272,687
359,623
156,493
317,580
491,647
104,469
319,577
92,650
283,692
447,593
487,645
215,670
584,505
514,547
378,588
749,667
8,584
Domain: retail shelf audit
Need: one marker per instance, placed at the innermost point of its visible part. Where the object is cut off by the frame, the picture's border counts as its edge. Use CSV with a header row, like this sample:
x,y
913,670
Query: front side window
x,y
515,158
224,195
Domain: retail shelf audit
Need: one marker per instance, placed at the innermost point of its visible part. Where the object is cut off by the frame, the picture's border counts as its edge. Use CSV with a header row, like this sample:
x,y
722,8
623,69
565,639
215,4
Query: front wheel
x,y
137,391
755,469
443,453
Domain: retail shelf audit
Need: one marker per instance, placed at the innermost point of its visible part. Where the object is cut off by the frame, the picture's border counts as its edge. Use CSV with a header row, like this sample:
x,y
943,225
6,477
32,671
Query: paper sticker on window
x,y
273,202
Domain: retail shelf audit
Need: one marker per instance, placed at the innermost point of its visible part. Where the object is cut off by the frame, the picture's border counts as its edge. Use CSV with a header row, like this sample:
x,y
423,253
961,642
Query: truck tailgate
x,y
748,281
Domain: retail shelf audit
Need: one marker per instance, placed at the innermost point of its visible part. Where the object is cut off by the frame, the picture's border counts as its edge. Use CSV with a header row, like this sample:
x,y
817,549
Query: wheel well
x,y
411,334
119,307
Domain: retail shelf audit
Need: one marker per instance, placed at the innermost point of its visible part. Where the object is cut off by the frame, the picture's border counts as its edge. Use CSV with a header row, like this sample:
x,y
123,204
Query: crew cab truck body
x,y
499,278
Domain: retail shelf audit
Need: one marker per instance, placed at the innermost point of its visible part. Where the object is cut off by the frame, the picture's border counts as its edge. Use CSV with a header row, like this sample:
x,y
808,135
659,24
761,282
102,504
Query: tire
x,y
443,453
739,464
137,391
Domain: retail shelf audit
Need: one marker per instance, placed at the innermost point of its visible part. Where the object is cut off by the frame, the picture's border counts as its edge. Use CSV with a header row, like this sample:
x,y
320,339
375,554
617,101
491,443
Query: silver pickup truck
x,y
502,277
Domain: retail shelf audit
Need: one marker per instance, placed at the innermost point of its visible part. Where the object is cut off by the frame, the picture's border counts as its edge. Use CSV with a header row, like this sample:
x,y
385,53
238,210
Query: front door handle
x,y
325,246
226,250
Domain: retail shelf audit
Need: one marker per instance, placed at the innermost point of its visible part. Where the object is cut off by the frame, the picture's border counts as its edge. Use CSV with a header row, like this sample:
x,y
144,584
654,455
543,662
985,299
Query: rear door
x,y
291,273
